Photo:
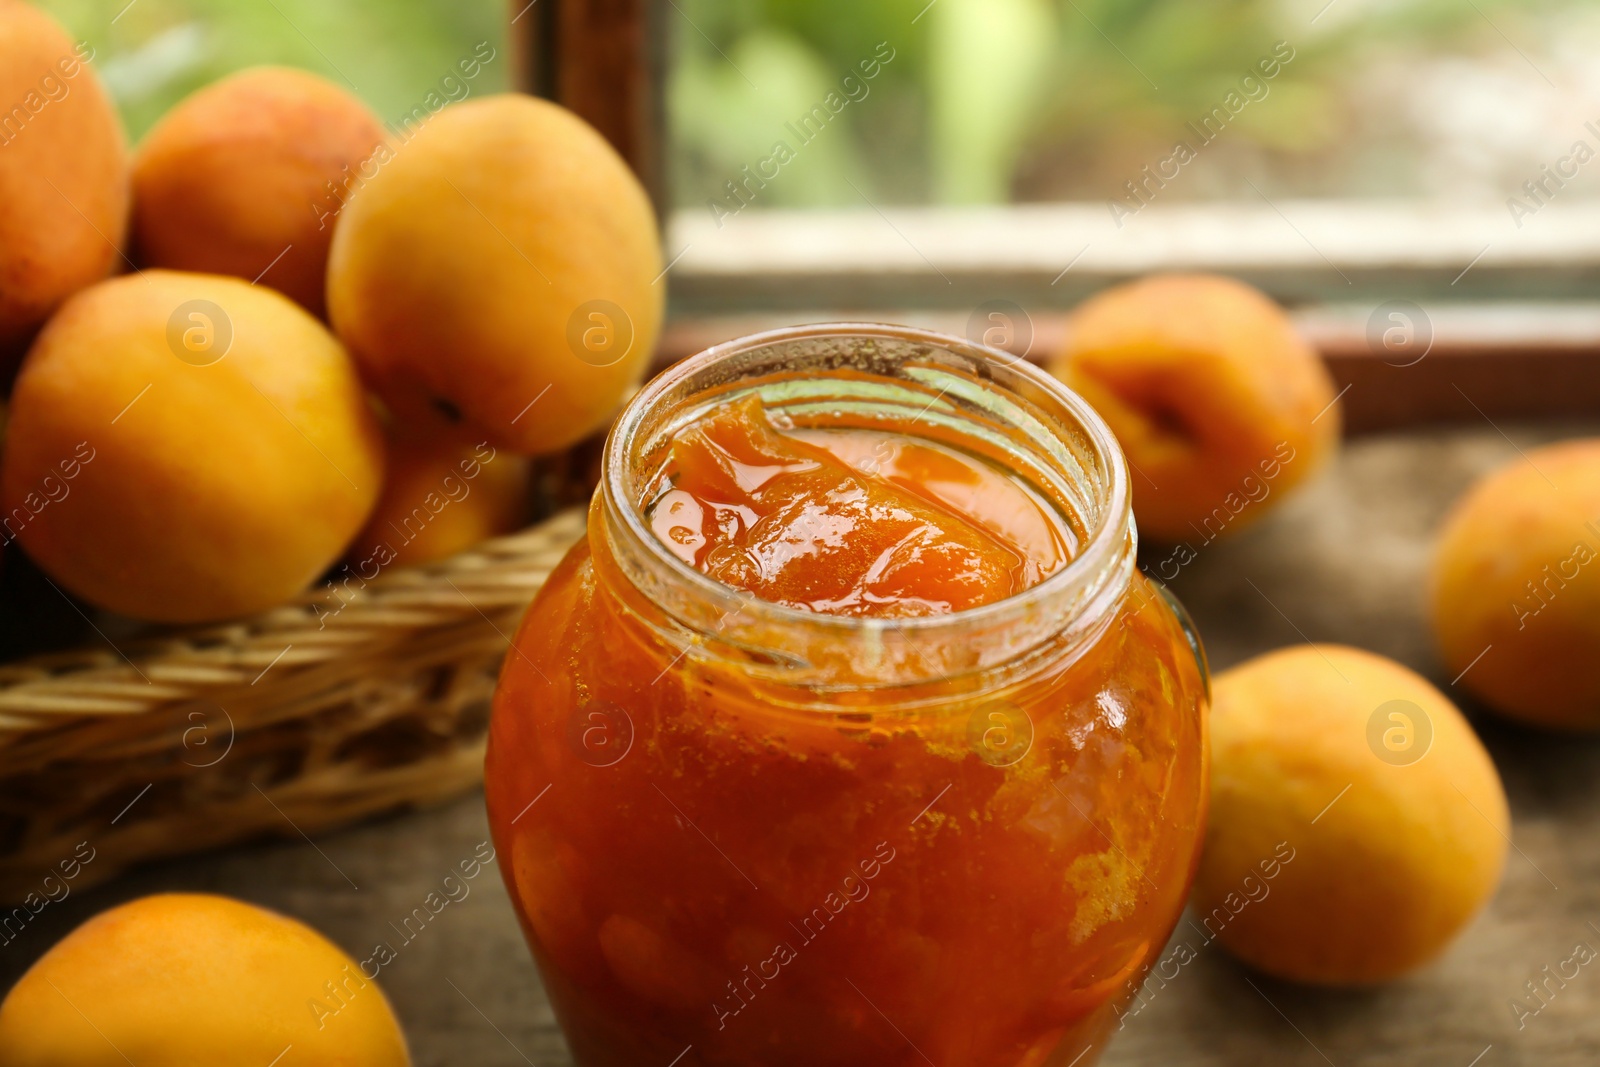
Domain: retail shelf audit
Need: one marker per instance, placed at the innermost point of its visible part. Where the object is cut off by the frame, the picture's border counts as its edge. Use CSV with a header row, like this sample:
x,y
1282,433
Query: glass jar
x,y
738,833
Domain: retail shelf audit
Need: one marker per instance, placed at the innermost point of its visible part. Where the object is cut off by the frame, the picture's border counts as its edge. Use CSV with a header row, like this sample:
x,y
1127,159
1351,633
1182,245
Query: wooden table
x,y
1341,562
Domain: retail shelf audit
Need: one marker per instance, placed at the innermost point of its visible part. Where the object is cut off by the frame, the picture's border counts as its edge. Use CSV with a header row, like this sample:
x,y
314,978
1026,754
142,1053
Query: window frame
x,y
1506,320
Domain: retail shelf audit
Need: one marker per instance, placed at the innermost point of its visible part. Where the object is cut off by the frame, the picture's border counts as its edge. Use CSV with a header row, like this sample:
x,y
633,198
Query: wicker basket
x,y
330,709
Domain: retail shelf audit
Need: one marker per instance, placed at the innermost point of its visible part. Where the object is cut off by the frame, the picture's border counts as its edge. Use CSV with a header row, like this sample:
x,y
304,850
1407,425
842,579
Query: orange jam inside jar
x,y
850,734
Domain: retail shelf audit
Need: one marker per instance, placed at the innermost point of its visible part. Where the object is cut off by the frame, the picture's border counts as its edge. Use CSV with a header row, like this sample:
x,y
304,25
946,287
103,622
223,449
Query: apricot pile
x,y
325,342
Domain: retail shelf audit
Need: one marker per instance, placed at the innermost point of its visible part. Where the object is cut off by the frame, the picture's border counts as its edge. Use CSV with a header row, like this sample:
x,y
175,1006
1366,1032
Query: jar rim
x,y
1110,541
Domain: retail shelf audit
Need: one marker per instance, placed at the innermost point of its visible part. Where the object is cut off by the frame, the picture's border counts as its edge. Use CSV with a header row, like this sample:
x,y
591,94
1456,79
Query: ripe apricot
x,y
246,176
1516,587
1219,405
442,495
501,270
181,979
63,172
187,447
1356,821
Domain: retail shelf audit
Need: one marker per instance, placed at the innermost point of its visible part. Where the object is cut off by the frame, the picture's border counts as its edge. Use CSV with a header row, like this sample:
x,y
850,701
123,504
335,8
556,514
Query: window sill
x,y
1050,256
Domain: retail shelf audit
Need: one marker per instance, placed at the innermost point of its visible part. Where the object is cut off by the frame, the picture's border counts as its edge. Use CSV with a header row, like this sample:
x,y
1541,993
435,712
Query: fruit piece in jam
x,y
850,521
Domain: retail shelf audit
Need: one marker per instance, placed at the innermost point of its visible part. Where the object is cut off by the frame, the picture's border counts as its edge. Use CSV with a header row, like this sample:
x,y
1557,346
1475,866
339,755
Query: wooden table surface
x,y
1342,561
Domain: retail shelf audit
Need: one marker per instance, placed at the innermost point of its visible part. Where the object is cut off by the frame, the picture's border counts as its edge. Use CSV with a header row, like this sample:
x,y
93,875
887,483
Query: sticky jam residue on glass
x,y
876,522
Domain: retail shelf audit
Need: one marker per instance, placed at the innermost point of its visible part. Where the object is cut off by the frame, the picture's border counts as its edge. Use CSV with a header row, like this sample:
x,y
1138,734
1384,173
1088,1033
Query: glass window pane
x,y
796,103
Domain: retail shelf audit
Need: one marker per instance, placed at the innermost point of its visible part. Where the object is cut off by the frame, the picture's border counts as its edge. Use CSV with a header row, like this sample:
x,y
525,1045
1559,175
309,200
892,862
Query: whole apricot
x,y
247,176
501,270
442,495
1219,405
187,448
181,979
63,172
1516,587
1356,821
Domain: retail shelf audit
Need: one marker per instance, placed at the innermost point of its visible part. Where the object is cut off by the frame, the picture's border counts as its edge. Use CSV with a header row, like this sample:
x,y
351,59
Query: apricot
x,y
1219,405
1515,587
181,979
63,172
246,177
442,495
1356,822
187,448
500,271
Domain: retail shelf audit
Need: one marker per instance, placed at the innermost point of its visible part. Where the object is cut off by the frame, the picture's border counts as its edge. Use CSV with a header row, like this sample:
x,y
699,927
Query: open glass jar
x,y
742,833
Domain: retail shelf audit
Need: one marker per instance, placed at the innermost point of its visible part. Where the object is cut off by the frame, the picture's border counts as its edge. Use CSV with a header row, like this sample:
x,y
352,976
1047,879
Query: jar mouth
x,y
810,647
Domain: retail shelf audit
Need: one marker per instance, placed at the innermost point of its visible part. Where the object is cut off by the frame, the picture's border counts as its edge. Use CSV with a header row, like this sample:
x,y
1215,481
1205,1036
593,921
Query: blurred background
x,y
998,101
983,101
392,53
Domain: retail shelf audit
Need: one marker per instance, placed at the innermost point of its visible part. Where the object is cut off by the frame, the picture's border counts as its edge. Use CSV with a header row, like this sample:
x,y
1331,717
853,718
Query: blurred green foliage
x,y
983,101
391,53
1001,100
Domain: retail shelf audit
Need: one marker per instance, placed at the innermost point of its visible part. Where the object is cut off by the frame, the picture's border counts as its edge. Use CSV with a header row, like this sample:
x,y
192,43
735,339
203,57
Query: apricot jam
x,y
850,735
849,522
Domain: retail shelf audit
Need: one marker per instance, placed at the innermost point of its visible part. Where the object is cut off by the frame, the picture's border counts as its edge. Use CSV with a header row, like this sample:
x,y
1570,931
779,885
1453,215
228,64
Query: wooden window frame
x,y
1509,319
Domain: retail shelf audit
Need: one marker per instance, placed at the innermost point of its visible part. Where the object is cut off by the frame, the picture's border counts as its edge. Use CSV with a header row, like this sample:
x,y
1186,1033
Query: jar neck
x,y
861,376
